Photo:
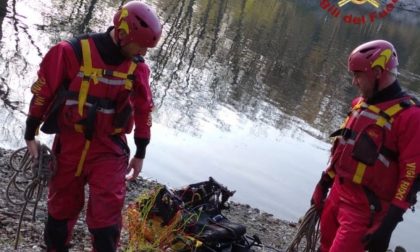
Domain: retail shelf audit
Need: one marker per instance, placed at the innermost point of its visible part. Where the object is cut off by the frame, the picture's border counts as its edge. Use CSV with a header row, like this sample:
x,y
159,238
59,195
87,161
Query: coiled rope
x,y
308,232
29,179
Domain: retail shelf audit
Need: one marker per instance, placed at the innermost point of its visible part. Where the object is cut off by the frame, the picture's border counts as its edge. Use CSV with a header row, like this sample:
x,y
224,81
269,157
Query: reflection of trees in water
x,y
4,88
11,128
221,8
170,49
236,51
237,65
235,71
13,63
64,17
171,57
287,61
263,60
83,26
14,58
69,18
3,11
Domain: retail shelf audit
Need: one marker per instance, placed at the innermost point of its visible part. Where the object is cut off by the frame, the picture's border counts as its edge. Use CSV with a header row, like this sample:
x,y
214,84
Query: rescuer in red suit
x,y
91,91
374,167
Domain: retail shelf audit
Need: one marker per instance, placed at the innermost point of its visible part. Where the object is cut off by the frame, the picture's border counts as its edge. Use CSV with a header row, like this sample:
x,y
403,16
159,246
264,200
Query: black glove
x,y
378,241
32,125
321,191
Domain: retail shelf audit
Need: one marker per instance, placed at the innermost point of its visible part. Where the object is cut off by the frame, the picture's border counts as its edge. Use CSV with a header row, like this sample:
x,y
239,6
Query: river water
x,y
245,91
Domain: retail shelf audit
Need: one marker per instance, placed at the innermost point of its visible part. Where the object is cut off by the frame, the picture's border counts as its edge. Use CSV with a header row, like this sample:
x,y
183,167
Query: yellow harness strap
x,y
79,128
82,158
88,74
128,82
381,121
360,172
117,131
358,105
91,73
331,173
96,73
355,107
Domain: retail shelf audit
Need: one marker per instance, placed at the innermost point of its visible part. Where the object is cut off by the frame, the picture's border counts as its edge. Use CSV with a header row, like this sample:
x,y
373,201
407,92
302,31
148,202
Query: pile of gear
x,y
188,219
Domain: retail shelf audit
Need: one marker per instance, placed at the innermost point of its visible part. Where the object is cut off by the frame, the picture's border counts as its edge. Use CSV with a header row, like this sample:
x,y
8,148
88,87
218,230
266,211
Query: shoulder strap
x,y
387,114
75,44
415,101
138,59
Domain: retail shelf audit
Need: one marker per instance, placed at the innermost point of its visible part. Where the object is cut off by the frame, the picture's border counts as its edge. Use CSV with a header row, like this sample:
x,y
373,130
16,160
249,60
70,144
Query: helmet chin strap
x,y
376,87
376,84
116,37
118,40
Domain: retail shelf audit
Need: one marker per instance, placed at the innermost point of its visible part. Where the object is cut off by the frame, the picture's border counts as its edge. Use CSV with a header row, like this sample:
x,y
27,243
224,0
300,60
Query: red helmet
x,y
374,53
140,22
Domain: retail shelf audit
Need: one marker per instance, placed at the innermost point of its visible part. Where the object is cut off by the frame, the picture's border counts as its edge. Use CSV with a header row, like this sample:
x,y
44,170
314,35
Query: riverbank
x,y
272,231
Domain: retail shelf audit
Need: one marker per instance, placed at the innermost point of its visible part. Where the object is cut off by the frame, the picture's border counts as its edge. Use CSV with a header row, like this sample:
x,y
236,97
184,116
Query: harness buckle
x,y
93,76
107,72
406,103
385,115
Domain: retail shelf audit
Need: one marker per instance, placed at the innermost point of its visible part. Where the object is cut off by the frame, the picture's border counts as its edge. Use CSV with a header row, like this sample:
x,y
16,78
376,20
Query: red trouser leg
x,y
66,192
106,179
329,224
65,201
104,172
353,227
344,223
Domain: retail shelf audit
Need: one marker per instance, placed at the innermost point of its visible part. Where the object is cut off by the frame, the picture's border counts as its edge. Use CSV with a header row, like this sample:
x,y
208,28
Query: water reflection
x,y
289,62
3,11
16,41
226,52
69,18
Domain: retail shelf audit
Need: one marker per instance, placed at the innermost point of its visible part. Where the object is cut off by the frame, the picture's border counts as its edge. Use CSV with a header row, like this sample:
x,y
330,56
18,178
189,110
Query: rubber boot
x,y
105,239
55,235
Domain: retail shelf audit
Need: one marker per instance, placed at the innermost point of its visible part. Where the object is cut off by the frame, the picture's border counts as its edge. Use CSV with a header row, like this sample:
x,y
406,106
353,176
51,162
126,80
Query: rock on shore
x,y
272,231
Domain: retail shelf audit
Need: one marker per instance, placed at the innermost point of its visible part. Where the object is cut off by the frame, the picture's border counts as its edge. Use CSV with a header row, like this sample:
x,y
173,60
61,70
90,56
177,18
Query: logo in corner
x,y
375,3
376,11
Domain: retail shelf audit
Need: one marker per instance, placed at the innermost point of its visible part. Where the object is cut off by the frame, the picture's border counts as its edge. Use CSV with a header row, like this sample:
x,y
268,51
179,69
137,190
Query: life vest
x,y
365,147
96,101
